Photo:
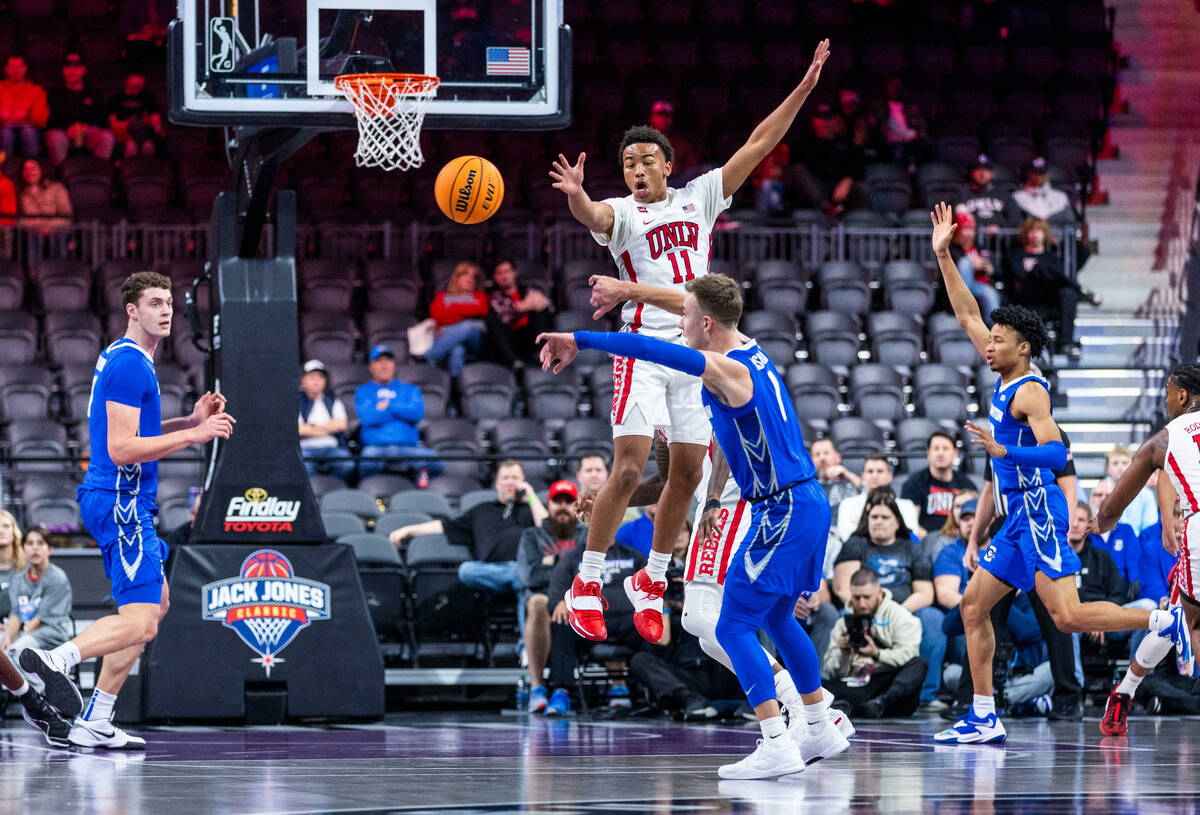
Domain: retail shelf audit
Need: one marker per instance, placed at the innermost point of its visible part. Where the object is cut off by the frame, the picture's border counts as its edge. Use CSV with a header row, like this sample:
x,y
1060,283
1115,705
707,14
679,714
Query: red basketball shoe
x,y
1116,712
585,609
647,599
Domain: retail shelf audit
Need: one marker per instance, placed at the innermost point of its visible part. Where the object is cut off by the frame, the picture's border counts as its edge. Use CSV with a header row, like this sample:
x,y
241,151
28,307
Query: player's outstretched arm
x,y
595,215
126,447
771,130
609,292
965,307
1148,458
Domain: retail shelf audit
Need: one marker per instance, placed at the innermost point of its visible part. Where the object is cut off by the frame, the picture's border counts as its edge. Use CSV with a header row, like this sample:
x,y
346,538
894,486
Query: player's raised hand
x,y
568,177
814,70
943,227
558,351
983,437
584,504
216,426
607,293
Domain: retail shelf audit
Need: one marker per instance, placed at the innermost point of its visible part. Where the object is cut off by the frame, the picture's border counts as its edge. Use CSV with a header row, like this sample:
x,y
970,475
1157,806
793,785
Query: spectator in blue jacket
x,y
1121,541
388,411
1156,563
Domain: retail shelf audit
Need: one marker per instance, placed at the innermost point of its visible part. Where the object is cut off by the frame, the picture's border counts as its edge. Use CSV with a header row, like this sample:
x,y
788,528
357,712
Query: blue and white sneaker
x,y
539,698
1181,637
973,730
618,697
559,704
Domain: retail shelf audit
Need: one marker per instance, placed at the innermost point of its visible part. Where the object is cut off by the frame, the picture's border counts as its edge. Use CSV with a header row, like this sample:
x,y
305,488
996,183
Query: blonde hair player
x,y
661,237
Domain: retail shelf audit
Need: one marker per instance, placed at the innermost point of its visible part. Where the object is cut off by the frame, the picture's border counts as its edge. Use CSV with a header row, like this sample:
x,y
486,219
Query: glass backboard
x,y
502,64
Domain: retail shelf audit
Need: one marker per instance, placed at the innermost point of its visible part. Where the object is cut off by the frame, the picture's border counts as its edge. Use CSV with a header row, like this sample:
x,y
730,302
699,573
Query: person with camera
x,y
872,661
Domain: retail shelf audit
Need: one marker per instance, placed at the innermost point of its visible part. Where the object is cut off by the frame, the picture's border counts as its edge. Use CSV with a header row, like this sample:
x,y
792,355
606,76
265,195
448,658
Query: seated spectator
x,y
817,614
639,533
837,481
1099,578
1037,199
830,177
904,129
935,542
1142,511
39,602
933,488
976,269
883,545
1121,542
460,312
990,207
323,423
538,551
662,119
877,472
591,473
769,181
491,531
12,560
950,573
143,25
566,647
1034,277
515,317
881,674
388,412
45,203
1156,562
77,123
23,109
134,119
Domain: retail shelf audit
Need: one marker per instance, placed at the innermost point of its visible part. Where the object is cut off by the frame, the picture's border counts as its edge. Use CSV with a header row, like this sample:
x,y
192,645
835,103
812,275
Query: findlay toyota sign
x,y
256,510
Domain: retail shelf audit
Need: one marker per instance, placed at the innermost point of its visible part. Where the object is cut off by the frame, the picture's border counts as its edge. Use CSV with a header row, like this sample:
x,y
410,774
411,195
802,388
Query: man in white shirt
x,y
1037,198
877,472
323,420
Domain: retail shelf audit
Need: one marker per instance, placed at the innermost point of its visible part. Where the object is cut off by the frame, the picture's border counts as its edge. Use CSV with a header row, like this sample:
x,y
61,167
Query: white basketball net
x,y
390,109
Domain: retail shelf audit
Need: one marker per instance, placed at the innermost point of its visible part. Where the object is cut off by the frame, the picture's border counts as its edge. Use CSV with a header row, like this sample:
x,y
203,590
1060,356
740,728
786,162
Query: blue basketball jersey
x,y
1007,477
124,374
761,439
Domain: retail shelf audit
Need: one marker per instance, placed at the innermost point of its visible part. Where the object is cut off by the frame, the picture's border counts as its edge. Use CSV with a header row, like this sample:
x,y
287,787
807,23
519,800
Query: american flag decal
x,y
507,61
689,207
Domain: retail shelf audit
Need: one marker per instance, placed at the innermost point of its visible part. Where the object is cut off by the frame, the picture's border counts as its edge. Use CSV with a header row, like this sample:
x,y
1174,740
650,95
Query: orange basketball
x,y
469,190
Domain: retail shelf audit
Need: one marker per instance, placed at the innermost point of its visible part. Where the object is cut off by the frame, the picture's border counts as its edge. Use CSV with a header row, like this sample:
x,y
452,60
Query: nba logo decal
x,y
266,605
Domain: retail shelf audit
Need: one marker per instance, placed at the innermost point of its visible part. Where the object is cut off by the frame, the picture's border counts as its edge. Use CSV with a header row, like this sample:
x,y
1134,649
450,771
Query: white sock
x,y
983,705
830,711
21,691
656,565
100,706
65,656
1129,684
591,566
786,692
817,716
773,728
1160,619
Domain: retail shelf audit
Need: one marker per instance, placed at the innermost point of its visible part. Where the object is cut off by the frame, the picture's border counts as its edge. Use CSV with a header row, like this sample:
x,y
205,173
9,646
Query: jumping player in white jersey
x,y
117,501
1176,451
1030,550
660,236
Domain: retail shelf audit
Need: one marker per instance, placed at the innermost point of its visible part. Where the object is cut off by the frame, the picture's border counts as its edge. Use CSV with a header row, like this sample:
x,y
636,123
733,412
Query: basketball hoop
x,y
390,109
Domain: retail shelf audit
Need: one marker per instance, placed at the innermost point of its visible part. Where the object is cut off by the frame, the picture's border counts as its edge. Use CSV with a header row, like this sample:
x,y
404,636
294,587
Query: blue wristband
x,y
637,346
1052,455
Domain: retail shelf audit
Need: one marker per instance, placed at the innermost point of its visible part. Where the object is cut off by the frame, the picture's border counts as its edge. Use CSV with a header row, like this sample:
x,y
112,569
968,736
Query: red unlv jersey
x,y
666,243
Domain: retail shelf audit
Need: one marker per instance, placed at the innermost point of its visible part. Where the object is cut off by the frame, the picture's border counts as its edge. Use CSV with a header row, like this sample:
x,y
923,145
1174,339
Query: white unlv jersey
x,y
1183,460
665,244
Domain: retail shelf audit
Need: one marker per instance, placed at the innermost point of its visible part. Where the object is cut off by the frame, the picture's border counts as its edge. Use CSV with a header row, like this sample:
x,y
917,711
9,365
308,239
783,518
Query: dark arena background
x,y
347,593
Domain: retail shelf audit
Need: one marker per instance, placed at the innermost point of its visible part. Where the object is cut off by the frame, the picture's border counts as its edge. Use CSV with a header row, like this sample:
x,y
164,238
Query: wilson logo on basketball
x,y
258,511
464,192
266,605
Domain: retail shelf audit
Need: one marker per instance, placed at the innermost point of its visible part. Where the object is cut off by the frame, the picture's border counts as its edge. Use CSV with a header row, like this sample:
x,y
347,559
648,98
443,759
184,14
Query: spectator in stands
x,y
639,533
23,109
933,488
134,118
990,207
12,560
8,201
77,122
39,601
662,119
1034,277
933,543
834,165
1037,199
904,128
516,315
950,574
1142,511
323,422
883,544
883,675
491,531
1121,542
566,646
877,472
974,265
1156,563
388,411
838,482
769,181
538,551
1099,577
591,473
143,25
43,201
460,312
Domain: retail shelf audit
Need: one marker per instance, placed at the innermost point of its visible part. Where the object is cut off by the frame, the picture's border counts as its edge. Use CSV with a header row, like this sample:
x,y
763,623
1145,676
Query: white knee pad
x,y
701,609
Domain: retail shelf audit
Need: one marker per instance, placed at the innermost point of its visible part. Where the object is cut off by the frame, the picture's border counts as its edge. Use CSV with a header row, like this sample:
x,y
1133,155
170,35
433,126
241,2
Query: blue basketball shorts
x,y
123,526
784,547
1033,539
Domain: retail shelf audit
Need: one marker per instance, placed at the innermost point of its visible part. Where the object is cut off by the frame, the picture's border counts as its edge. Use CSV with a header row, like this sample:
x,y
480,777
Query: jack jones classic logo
x,y
256,510
267,605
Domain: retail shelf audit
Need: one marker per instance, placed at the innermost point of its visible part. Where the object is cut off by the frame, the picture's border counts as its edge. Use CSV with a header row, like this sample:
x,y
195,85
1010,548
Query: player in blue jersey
x,y
1030,551
117,501
781,556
